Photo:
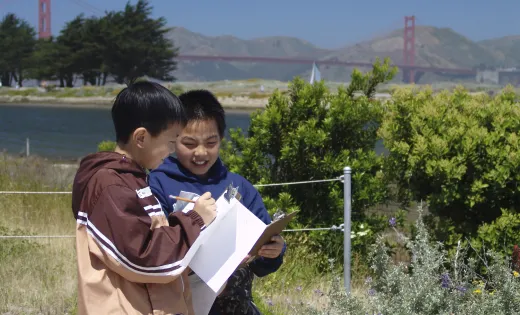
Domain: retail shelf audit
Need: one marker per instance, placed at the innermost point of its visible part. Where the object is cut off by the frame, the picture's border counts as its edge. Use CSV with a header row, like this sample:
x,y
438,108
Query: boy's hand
x,y
272,249
245,259
206,207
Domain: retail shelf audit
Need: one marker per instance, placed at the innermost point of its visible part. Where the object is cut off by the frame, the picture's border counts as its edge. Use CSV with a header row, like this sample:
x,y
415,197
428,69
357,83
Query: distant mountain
x,y
197,44
507,50
436,47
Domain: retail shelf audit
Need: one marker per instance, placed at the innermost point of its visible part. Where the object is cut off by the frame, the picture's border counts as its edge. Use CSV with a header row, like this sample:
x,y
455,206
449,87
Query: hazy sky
x,y
326,23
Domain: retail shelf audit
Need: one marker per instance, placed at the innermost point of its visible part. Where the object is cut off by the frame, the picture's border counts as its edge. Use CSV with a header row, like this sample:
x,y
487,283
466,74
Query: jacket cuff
x,y
196,218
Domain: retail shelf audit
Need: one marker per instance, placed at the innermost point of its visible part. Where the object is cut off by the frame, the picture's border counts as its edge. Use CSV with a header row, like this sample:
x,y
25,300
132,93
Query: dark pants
x,y
237,298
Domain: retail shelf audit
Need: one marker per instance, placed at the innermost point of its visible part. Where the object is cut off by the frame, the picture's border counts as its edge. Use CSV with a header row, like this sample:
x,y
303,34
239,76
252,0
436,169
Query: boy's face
x,y
153,150
198,146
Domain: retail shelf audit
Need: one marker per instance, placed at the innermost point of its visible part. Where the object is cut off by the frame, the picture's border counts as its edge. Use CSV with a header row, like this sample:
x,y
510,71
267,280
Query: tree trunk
x,y
6,79
20,79
105,75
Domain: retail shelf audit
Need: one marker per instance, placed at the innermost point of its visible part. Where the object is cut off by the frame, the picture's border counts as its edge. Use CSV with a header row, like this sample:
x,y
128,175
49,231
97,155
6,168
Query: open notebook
x,y
222,245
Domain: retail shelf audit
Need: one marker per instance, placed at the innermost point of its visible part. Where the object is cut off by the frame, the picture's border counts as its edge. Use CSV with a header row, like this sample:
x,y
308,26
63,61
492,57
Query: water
x,y
64,132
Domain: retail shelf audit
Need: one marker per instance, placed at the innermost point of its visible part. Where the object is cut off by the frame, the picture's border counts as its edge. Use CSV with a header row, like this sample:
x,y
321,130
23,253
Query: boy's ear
x,y
139,137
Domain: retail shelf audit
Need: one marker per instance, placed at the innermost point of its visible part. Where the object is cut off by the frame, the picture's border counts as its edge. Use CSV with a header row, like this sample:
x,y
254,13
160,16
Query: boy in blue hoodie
x,y
198,169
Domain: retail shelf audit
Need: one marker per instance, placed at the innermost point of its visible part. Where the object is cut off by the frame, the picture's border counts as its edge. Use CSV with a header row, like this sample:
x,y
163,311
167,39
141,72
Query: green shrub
x,y
459,152
106,146
500,235
50,87
309,134
141,79
177,89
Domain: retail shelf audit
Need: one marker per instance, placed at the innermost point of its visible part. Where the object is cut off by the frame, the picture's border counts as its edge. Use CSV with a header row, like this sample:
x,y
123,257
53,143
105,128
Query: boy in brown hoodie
x,y
128,251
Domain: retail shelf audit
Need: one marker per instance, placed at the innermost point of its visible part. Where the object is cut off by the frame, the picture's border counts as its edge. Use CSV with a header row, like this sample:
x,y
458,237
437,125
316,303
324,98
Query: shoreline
x,y
234,103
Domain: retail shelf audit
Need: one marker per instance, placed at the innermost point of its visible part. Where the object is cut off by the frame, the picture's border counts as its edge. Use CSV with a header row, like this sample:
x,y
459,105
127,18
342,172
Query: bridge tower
x,y
409,48
44,18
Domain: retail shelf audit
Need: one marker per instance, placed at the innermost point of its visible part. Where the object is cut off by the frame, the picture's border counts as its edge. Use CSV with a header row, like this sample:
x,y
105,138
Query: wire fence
x,y
340,178
332,228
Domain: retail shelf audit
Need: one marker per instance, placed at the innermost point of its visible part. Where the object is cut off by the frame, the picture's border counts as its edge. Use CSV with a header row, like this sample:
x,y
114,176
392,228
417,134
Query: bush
x,y
459,152
50,87
177,89
431,284
310,134
106,146
500,235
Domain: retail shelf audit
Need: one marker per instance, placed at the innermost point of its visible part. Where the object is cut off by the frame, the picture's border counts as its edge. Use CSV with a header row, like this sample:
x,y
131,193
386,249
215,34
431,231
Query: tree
x,y
95,68
136,45
45,60
313,134
71,51
460,153
17,39
368,82
126,44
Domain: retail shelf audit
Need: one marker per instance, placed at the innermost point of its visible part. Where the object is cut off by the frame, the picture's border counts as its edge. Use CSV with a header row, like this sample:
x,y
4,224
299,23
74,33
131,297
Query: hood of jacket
x,y
92,164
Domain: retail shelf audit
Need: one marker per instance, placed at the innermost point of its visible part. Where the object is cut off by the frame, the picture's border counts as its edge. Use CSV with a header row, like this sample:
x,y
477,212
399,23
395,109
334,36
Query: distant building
x,y
500,76
487,76
506,77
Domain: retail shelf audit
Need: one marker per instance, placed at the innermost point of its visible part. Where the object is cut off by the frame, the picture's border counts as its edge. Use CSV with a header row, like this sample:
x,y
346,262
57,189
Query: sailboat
x,y
315,74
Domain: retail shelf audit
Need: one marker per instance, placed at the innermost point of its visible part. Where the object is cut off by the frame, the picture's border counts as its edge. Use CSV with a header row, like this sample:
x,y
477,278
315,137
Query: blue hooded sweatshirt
x,y
171,178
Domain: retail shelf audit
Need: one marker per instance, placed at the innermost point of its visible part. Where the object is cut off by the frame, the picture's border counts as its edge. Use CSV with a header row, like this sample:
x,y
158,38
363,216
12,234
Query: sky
x,y
325,23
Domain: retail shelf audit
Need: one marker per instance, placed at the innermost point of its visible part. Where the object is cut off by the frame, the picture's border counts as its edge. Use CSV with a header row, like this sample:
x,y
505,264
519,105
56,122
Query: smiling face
x,y
198,145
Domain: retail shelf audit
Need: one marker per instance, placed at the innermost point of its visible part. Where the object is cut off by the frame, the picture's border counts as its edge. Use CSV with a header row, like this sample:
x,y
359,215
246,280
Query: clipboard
x,y
275,228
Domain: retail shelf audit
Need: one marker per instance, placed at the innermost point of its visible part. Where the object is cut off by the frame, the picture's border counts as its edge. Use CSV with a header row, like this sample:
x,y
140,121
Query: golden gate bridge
x,y
411,71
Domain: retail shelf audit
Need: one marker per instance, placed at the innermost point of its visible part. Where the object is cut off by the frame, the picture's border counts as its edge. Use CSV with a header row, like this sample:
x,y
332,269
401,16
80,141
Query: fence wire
x,y
332,228
7,192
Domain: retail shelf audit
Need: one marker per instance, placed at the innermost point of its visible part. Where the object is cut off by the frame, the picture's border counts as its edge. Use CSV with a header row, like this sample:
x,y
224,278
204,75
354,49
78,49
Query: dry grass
x,y
38,275
299,284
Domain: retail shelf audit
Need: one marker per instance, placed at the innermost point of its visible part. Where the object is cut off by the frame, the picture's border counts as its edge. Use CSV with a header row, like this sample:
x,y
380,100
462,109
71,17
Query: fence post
x,y
347,195
27,147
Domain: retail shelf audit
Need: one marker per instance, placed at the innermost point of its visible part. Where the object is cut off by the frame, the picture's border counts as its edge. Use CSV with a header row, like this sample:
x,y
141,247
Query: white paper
x,y
208,231
225,243
202,295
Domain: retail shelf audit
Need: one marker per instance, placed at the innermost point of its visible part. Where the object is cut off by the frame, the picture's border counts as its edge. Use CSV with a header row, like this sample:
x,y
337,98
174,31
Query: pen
x,y
181,199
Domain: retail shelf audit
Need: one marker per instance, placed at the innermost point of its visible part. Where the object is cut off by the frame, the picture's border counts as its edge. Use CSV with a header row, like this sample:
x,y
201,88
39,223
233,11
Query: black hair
x,y
148,105
203,105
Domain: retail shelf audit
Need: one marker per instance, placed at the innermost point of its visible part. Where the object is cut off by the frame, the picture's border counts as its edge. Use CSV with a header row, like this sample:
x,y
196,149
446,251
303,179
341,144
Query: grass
x,y
38,275
259,95
62,93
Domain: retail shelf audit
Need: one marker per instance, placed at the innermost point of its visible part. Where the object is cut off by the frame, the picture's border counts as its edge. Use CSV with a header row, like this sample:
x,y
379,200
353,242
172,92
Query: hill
x,y
278,46
435,47
507,48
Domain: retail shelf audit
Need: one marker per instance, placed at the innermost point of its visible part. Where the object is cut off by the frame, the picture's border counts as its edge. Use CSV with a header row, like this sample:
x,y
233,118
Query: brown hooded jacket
x,y
129,255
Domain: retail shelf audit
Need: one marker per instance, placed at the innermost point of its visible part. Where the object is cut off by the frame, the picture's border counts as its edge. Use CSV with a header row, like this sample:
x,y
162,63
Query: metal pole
x,y
347,195
27,146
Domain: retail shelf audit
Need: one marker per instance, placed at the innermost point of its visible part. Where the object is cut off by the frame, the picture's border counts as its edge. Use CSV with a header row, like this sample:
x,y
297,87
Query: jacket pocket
x,y
167,299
